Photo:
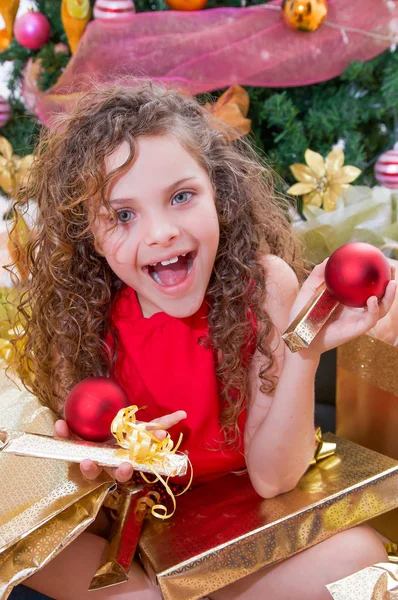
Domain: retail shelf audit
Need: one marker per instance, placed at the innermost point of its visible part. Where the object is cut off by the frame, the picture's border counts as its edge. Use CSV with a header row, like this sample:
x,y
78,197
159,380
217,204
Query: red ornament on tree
x,y
386,168
5,111
91,407
355,272
32,30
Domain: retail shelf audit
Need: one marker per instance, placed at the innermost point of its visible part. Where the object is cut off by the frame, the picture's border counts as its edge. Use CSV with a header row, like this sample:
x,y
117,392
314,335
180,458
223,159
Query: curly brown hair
x,y
65,310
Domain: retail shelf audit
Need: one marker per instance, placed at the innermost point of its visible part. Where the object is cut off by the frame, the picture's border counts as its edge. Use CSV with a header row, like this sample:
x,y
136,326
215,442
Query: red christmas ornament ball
x,y
32,30
5,111
91,407
386,168
355,272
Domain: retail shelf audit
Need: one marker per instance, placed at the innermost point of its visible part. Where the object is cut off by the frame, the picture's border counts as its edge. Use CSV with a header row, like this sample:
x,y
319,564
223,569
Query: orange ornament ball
x,y
186,4
304,15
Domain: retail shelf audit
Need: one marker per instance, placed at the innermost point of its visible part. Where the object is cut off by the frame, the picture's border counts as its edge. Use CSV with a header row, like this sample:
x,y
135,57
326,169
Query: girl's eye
x,y
124,216
182,197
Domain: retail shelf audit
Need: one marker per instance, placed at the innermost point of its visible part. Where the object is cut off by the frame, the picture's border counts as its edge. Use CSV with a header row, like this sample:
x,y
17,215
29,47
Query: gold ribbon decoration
x,y
145,448
13,169
321,181
322,449
8,10
10,330
75,14
232,108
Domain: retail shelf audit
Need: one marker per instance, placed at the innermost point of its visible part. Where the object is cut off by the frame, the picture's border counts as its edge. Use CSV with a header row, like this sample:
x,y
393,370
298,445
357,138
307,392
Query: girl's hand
x,y
346,323
91,470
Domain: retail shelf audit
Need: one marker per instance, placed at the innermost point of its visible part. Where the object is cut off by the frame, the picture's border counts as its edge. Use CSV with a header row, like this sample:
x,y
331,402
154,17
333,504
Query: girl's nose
x,y
161,232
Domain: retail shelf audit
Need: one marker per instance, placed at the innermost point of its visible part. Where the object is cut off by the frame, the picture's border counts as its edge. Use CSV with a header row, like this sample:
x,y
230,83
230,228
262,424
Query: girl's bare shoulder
x,y
282,287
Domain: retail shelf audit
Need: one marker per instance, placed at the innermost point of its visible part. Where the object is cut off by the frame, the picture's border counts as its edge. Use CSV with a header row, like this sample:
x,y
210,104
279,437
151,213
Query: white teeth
x,y
170,261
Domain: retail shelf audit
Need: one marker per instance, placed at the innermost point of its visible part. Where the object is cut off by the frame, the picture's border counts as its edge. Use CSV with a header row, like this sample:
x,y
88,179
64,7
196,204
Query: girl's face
x,y
167,234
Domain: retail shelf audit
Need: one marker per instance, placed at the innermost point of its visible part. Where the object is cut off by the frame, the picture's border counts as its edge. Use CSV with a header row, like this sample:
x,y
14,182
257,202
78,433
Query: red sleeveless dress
x,y
161,365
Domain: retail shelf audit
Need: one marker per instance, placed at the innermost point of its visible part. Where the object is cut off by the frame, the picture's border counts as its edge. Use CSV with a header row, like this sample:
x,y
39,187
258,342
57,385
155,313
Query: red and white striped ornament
x,y
386,168
113,9
5,111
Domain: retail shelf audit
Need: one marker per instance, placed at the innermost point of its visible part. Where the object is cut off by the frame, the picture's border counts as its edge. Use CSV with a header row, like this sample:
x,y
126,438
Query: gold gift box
x,y
367,403
44,505
224,531
367,394
20,443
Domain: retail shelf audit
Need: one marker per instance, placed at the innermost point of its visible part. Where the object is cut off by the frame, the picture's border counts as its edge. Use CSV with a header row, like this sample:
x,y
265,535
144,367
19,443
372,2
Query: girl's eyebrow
x,y
168,189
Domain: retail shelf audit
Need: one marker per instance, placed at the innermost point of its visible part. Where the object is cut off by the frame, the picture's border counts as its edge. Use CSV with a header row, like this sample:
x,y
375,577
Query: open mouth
x,y
172,271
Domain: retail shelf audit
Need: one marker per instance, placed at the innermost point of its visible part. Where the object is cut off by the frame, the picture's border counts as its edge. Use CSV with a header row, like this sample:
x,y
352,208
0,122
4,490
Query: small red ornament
x,y
355,272
386,168
5,111
32,30
91,407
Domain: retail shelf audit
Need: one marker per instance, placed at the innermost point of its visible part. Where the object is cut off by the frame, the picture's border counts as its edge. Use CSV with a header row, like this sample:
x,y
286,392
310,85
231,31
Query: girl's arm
x,y
279,433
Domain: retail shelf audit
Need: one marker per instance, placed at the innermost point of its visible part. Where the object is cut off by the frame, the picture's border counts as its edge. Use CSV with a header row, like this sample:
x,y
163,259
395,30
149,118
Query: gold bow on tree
x,y
322,181
8,10
13,169
232,108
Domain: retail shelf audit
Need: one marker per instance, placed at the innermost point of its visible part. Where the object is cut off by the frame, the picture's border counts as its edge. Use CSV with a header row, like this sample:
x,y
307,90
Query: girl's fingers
x,y
373,309
170,420
61,430
90,469
388,299
124,472
317,276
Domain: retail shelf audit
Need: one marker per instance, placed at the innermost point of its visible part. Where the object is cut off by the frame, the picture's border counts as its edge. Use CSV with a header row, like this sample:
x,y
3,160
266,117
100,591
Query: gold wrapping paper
x,y
379,582
224,531
107,455
367,394
310,320
35,550
367,402
130,512
43,505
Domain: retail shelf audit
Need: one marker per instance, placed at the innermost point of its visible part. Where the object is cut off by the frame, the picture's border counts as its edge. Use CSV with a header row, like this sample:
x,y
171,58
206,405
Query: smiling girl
x,y
163,259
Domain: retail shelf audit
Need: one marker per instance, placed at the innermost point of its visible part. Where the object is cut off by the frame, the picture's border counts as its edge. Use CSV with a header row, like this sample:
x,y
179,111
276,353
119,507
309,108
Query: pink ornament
x,y
113,9
5,111
32,30
386,168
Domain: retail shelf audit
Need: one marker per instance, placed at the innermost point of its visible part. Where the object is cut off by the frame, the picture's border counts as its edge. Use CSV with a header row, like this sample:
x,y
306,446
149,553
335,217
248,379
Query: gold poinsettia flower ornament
x,y
13,169
321,181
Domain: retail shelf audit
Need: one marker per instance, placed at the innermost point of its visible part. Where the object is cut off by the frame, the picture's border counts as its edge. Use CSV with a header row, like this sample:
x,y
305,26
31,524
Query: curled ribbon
x,y
145,448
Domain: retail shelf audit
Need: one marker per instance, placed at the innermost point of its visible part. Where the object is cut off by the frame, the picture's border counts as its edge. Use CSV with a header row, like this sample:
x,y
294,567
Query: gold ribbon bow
x,y
145,448
322,449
